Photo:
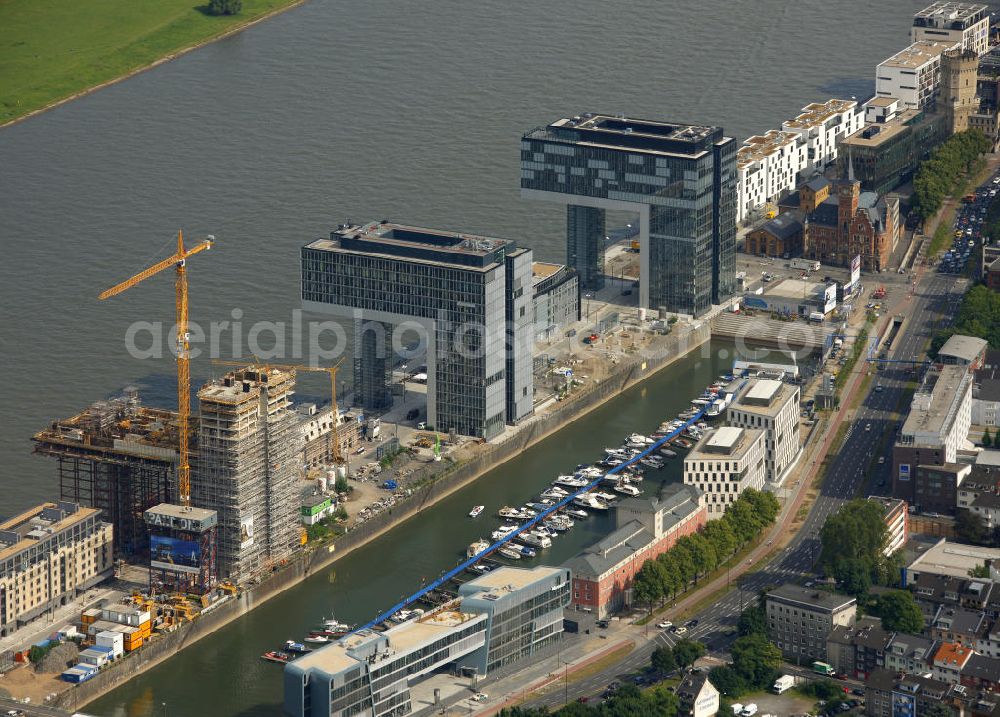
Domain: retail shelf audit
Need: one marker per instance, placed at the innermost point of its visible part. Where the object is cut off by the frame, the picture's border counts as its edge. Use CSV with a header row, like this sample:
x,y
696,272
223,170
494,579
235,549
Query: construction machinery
x,y
335,453
178,261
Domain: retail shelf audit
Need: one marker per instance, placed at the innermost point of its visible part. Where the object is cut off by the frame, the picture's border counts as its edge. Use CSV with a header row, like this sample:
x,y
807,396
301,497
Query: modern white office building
x,y
723,464
503,616
912,75
773,407
954,22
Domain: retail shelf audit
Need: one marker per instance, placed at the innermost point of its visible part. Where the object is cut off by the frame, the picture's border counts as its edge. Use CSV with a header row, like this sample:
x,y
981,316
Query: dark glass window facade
x,y
688,184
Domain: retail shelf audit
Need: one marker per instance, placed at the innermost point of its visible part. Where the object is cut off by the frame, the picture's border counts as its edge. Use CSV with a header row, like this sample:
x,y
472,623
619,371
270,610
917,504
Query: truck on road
x,y
783,683
821,668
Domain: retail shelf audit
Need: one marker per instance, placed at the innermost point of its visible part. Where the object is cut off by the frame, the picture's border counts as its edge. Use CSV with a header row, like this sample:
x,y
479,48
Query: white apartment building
x,y
940,413
768,165
771,164
49,555
773,407
912,75
954,22
823,125
723,464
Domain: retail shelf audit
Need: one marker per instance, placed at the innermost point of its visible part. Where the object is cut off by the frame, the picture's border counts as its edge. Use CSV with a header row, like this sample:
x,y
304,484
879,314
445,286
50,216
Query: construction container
x,y
79,673
112,639
89,617
96,656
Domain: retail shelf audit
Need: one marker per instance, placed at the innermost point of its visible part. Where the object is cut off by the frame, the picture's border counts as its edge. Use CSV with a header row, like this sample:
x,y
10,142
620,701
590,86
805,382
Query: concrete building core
x,y
681,181
469,298
248,467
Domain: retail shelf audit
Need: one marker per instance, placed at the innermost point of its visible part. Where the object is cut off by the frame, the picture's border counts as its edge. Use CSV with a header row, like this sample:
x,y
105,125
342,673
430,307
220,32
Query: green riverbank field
x,y
53,49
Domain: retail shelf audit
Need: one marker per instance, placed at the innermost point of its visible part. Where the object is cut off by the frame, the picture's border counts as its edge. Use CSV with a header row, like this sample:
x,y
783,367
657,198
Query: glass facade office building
x,y
503,616
467,297
680,179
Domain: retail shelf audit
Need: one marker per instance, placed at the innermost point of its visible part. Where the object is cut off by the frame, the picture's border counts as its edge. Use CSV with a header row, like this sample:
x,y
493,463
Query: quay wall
x,y
447,479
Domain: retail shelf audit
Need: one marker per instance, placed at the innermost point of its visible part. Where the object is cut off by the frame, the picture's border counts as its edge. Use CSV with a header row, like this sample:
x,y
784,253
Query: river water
x,y
356,109
374,577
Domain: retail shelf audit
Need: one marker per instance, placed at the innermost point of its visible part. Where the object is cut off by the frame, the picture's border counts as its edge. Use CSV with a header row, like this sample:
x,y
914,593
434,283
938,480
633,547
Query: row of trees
x,y
628,701
853,541
940,175
694,556
978,315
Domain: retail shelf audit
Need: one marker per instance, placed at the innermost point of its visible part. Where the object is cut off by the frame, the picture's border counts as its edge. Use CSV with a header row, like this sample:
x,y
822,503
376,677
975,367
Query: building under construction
x,y
119,457
247,468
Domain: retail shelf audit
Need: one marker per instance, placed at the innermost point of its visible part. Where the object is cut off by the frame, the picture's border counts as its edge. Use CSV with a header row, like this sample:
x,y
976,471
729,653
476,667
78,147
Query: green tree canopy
x,y
853,540
687,651
753,621
899,612
756,659
662,660
941,174
727,681
225,7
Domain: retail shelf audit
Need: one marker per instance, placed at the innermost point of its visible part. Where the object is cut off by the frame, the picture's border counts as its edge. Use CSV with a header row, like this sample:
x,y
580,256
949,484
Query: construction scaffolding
x,y
119,457
247,469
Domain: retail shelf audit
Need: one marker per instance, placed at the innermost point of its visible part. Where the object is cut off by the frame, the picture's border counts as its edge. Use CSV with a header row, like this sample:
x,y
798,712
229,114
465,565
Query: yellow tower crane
x,y
178,262
335,453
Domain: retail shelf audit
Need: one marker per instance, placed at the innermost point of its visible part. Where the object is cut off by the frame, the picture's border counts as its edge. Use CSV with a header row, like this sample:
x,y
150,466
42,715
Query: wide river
x,y
340,110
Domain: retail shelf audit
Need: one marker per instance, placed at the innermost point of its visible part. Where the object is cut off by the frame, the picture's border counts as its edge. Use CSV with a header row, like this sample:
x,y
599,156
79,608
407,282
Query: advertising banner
x,y
183,556
246,532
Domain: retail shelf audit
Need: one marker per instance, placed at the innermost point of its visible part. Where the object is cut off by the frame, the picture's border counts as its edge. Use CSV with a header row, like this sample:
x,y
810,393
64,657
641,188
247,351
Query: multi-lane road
x,y
852,471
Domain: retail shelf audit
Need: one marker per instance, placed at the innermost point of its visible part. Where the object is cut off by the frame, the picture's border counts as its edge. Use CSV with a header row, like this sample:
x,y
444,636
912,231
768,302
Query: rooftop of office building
x,y
811,597
759,146
797,289
628,133
420,244
954,559
946,14
727,442
765,396
878,133
933,403
507,579
34,525
964,348
401,638
917,54
817,113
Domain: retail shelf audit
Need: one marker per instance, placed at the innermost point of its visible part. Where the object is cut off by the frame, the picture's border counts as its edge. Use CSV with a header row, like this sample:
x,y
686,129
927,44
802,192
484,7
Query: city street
x,y
852,472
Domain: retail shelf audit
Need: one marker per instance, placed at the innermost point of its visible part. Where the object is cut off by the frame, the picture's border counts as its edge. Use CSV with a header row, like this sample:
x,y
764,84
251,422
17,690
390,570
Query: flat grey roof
x,y
928,412
955,559
811,597
732,445
967,348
